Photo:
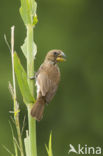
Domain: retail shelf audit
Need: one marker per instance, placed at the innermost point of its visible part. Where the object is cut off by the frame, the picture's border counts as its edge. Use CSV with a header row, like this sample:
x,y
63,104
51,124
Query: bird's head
x,y
55,56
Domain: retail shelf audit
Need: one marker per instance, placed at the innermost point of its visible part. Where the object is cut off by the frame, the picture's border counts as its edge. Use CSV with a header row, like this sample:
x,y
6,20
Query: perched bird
x,y
47,80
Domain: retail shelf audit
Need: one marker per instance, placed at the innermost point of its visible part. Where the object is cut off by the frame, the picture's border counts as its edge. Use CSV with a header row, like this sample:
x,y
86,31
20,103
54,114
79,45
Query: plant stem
x,y
16,105
32,134
30,73
19,134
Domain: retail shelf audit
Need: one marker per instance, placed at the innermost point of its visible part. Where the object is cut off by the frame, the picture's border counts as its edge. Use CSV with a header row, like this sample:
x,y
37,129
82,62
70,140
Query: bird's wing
x,y
44,82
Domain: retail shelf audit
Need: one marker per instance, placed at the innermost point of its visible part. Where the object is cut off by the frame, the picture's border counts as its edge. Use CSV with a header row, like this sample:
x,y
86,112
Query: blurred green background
x,y
75,115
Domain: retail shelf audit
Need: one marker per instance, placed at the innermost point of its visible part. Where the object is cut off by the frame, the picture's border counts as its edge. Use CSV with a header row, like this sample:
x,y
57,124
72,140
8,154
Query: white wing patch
x,y
38,88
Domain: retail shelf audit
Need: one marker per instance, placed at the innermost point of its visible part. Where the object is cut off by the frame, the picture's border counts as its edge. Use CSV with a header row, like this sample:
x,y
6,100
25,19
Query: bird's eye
x,y
55,53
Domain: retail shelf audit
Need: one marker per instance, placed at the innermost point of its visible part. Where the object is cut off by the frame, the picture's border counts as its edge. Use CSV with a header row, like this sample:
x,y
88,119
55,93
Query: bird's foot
x,y
32,78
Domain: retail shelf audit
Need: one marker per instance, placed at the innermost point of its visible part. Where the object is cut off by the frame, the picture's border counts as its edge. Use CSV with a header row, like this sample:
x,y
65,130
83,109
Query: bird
x,y
47,81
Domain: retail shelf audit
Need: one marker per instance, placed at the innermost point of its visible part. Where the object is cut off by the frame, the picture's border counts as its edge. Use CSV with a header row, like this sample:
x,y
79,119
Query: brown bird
x,y
47,80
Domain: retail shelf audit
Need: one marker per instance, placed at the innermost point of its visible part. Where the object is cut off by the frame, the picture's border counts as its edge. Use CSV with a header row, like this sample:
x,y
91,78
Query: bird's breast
x,y
53,73
47,80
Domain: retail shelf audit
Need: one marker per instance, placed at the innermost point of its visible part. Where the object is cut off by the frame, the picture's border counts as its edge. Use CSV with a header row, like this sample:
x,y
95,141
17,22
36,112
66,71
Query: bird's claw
x,y
32,78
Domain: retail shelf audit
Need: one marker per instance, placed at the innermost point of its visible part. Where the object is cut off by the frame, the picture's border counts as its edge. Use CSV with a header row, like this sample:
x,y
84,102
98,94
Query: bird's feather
x,y
47,83
44,83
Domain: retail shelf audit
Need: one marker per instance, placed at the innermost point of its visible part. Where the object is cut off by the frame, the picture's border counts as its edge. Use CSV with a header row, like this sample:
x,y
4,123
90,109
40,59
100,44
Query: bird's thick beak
x,y
61,57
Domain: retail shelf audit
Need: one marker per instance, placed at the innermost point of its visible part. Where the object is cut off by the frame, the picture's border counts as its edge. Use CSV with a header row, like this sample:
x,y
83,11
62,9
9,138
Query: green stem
x,y
19,134
30,73
16,105
32,134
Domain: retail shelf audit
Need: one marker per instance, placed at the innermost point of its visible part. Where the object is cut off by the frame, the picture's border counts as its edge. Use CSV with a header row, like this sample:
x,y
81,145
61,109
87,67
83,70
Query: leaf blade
x,y
22,80
49,148
28,11
24,48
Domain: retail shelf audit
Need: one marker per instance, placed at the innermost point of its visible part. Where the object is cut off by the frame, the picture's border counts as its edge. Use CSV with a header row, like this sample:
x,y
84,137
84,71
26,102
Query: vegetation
x,y
26,85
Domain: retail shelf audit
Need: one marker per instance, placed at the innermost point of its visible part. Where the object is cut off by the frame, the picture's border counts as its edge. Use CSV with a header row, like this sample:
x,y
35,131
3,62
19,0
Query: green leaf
x,y
25,11
28,11
35,20
10,153
33,7
24,48
15,146
22,80
49,148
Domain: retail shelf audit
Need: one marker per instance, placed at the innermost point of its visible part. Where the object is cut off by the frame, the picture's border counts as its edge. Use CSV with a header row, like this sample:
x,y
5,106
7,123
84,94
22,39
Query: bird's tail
x,y
38,109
